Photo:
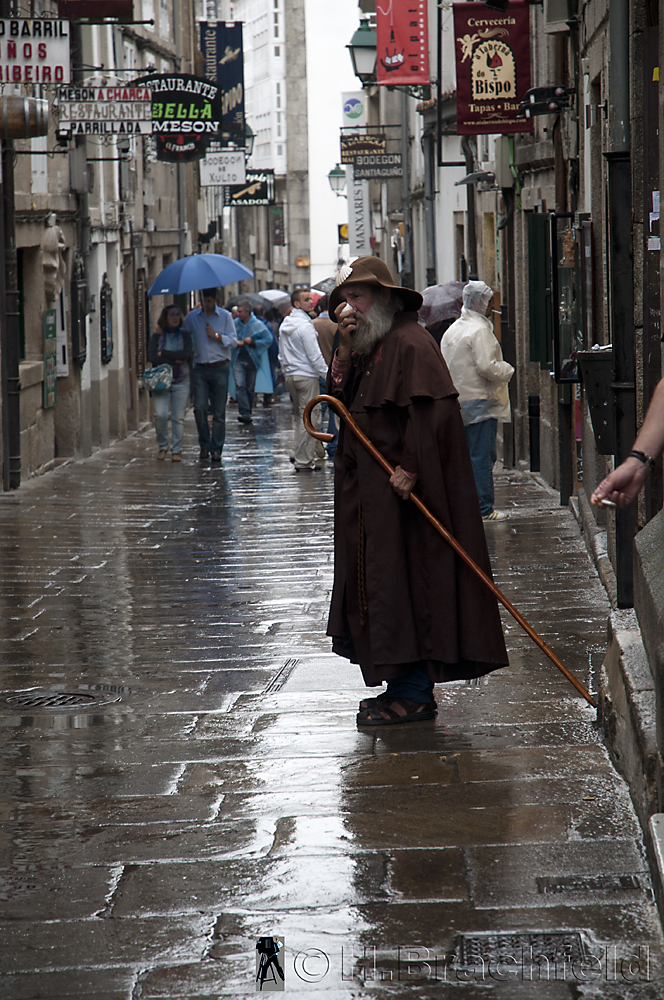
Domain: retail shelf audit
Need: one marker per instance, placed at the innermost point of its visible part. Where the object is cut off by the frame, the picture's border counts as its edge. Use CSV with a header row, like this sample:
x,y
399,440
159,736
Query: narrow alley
x,y
182,772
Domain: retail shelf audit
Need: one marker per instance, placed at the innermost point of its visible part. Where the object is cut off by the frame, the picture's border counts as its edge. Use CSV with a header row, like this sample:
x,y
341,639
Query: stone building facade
x,y
97,218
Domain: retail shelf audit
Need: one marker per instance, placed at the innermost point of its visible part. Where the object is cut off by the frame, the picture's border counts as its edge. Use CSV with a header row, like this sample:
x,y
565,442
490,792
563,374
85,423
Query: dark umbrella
x,y
325,286
253,297
201,270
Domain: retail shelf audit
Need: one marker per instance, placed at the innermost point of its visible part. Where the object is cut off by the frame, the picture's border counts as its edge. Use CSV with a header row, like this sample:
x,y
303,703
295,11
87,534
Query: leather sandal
x,y
384,699
396,711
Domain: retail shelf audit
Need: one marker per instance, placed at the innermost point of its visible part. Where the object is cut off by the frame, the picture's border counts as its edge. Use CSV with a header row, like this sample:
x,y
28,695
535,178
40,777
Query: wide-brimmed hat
x,y
372,271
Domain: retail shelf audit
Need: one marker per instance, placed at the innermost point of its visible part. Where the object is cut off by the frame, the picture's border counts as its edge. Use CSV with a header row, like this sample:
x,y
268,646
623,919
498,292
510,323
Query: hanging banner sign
x,y
257,190
95,11
34,51
492,67
226,167
95,110
402,42
50,327
186,114
359,217
352,109
221,45
359,144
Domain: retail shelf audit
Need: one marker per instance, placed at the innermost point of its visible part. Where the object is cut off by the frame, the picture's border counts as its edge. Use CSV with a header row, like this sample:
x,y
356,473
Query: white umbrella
x,y
274,294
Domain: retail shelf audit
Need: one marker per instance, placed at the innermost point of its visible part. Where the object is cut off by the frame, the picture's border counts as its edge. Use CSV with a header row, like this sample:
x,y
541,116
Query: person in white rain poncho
x,y
480,375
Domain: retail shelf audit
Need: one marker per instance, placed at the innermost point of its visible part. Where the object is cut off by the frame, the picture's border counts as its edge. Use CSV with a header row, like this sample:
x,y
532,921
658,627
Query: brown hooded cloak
x,y
401,596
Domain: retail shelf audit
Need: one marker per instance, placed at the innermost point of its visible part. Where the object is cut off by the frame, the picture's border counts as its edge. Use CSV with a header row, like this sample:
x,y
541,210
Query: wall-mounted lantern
x,y
363,52
106,321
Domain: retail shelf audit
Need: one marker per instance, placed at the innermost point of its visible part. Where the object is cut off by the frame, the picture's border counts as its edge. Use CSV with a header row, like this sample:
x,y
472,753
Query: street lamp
x,y
337,179
362,50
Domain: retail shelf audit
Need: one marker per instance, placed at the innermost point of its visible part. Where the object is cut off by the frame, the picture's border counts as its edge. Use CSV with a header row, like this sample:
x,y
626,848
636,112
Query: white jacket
x,y
299,353
475,361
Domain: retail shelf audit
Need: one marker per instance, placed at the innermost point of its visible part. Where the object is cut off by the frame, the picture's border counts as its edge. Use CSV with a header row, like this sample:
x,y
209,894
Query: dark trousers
x,y
210,394
416,686
244,374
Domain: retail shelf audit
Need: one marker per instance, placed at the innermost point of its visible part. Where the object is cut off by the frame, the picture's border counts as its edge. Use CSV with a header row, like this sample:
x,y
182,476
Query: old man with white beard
x,y
404,606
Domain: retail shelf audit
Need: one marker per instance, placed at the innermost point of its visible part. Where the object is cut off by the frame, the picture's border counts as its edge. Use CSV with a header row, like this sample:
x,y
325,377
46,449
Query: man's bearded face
x,y
373,324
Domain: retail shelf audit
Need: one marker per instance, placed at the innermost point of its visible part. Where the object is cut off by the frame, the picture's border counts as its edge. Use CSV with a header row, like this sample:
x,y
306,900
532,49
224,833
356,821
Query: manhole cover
x,y
588,883
55,699
522,946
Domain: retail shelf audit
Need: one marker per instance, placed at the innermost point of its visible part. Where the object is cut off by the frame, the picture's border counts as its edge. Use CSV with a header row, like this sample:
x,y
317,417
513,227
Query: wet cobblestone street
x,y
207,784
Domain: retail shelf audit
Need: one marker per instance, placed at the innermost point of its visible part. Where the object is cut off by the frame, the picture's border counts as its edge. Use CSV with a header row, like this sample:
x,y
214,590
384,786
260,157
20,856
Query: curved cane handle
x,y
339,407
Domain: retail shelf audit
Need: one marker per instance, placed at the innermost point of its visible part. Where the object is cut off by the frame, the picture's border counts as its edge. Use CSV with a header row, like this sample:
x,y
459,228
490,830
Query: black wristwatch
x,y
642,457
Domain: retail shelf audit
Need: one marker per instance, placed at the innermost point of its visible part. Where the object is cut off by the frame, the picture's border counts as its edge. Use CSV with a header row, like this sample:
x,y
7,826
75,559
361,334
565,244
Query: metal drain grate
x,y
539,566
50,699
471,950
282,675
588,883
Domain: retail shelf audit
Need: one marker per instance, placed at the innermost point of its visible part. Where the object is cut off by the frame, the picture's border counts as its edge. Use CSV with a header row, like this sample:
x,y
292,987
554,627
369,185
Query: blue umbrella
x,y
201,270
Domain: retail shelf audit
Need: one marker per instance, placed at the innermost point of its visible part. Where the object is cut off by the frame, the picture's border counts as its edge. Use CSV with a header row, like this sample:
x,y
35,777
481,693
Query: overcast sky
x,y
330,27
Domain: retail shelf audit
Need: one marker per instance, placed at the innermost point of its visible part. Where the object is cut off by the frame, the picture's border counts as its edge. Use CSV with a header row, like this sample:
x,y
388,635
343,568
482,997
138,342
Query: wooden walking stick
x,y
339,407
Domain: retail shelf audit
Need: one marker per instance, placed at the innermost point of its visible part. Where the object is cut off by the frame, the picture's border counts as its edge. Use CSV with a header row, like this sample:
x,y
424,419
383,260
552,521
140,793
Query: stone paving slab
x,y
229,794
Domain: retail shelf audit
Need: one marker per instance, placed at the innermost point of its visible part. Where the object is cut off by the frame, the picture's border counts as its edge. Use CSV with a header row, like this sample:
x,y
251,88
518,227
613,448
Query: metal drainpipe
x,y
408,273
621,279
429,216
11,387
4,349
180,166
470,193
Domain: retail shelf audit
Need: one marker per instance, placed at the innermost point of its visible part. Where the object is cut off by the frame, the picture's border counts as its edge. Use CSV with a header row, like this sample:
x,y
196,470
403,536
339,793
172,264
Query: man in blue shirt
x,y
213,332
253,339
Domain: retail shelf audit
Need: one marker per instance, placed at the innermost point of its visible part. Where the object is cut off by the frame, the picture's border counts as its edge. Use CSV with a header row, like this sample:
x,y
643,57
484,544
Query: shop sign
x,y
342,231
225,167
257,190
360,144
492,67
352,109
95,110
34,50
186,114
377,166
402,42
95,11
50,325
221,45
359,217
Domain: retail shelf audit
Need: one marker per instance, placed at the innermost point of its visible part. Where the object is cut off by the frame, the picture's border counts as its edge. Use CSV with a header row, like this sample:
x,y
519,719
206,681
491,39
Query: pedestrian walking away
x,y
171,344
213,332
250,363
403,605
302,363
480,376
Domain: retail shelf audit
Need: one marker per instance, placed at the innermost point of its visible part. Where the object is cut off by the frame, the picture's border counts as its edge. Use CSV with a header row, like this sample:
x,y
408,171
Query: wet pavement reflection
x,y
181,772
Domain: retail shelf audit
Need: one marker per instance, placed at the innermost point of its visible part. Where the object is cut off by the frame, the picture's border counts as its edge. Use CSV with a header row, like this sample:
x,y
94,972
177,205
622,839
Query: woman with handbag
x,y
171,344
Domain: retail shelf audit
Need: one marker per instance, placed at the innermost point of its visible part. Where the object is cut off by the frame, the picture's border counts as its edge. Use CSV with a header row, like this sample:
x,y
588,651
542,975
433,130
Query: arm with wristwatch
x,y
623,484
